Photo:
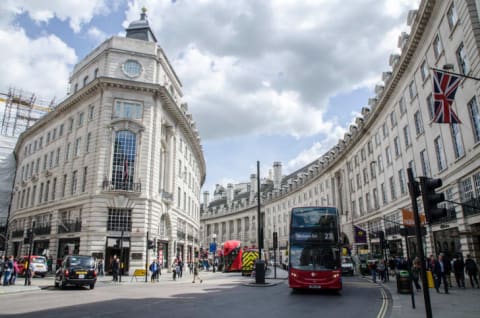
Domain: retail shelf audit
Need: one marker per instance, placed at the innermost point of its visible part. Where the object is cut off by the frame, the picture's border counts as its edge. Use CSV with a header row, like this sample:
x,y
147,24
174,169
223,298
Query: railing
x,y
451,215
394,230
42,230
473,207
181,235
70,227
122,186
17,233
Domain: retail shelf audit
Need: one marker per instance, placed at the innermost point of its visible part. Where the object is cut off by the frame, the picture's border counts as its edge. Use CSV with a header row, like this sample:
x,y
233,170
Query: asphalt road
x,y
222,295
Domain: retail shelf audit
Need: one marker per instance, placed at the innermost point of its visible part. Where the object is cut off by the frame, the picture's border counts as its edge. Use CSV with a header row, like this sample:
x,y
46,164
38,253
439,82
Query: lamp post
x,y
214,250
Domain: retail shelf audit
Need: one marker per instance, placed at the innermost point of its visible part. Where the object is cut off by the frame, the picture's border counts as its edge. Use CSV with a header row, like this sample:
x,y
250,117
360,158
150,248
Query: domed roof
x,y
140,29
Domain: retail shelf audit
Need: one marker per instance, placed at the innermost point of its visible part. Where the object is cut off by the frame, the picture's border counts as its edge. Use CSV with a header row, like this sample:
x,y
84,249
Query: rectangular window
x,y
384,193
50,161
452,17
401,104
377,139
373,173
393,192
398,147
365,176
49,134
40,143
81,115
64,185
54,135
393,119
91,112
37,166
441,161
45,161
60,130
457,141
431,106
359,181
418,122
71,121
375,199
360,206
77,146
403,183
119,219
40,194
406,136
412,89
128,109
54,188
463,60
47,190
73,189
57,158
380,163
424,70
84,182
411,165
67,152
475,118
87,146
385,130
437,47
425,164
34,194
368,202
388,155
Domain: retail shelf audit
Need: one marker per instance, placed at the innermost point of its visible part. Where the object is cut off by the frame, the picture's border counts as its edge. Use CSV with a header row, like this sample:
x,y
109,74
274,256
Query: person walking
x,y
8,269
381,270
458,270
195,273
15,272
373,271
101,271
115,268
472,270
440,273
153,269
416,269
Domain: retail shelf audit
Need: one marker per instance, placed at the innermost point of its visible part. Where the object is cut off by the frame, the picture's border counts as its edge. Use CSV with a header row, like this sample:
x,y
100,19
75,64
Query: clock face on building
x,y
132,68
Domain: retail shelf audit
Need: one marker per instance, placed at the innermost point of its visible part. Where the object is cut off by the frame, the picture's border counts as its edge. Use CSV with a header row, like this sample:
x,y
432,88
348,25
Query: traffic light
x,y
151,244
275,240
431,198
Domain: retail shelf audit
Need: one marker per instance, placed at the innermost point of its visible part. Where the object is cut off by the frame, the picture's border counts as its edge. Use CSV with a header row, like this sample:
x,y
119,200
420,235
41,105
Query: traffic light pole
x,y
146,257
28,274
121,258
414,190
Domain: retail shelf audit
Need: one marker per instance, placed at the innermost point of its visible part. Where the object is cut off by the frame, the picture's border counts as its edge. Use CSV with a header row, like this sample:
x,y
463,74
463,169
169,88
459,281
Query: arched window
x,y
124,155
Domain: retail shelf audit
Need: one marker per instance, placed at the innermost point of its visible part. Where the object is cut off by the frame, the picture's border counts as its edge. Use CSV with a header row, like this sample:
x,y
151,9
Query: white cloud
x,y
77,12
270,67
96,35
41,65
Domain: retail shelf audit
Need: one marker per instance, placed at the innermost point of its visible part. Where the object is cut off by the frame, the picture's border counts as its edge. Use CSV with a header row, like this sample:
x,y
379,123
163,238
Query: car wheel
x,y
92,286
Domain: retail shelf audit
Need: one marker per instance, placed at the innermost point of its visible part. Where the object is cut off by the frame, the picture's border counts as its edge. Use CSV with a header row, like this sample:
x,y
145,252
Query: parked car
x,y
39,265
347,265
77,270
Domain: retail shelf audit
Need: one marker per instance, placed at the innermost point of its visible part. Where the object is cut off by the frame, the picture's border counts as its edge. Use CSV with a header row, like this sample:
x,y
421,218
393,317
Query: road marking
x,y
383,309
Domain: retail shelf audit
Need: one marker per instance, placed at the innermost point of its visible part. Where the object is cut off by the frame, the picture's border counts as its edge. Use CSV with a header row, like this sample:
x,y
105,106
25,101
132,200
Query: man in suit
x,y
440,273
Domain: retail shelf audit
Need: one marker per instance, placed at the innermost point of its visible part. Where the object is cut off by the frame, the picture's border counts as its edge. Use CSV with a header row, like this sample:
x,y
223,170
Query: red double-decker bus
x,y
314,249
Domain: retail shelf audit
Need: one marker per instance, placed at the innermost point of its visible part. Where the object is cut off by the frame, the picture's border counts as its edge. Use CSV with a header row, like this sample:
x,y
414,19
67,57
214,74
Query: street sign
x,y
213,247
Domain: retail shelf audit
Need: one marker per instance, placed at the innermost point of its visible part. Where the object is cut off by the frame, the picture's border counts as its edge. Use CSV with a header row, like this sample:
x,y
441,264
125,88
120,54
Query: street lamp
x,y
214,250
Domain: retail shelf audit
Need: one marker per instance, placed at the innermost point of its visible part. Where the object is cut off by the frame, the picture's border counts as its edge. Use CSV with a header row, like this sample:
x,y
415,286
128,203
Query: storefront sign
x,y
408,218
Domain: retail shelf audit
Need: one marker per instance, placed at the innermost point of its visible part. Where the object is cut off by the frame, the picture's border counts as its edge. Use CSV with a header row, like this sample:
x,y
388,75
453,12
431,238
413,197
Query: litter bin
x,y
260,272
404,282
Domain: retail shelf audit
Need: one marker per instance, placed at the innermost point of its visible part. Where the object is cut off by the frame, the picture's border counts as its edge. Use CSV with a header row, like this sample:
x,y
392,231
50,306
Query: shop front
x,y
162,253
67,246
120,249
447,241
40,247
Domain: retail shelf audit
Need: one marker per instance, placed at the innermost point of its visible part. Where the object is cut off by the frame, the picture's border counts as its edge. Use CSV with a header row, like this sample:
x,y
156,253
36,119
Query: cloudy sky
x,y
277,80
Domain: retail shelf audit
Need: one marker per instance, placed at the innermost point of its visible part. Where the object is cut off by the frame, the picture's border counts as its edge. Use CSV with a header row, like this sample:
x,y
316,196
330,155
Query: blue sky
x,y
265,80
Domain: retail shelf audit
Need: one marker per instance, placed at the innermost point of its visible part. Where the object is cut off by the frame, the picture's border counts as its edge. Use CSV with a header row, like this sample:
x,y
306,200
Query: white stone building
x,y
365,174
119,157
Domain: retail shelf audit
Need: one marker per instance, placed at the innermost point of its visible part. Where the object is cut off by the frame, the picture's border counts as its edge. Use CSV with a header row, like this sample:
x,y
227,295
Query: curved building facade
x,y
118,160
365,174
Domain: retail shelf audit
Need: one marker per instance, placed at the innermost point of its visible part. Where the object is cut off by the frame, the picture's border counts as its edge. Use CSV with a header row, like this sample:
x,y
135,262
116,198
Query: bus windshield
x,y
314,257
314,217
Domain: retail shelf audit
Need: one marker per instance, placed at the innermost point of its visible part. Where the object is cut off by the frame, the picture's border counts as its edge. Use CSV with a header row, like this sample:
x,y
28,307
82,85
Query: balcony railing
x,y
70,227
394,230
122,186
42,230
17,233
473,207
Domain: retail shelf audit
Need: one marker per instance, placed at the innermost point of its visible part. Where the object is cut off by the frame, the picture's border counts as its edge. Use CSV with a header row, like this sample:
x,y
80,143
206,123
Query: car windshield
x,y
81,261
39,260
346,260
314,257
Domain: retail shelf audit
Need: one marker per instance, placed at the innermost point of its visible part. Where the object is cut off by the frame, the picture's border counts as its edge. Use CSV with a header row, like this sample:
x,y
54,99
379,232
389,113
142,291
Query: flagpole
x,y
456,74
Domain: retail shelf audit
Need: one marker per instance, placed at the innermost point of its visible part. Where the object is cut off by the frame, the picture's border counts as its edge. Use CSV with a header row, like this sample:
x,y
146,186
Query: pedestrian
x,y
8,269
195,273
174,270
153,269
381,270
16,270
115,268
440,273
101,271
416,269
448,269
391,264
2,267
190,267
28,273
472,270
49,263
178,269
458,270
159,270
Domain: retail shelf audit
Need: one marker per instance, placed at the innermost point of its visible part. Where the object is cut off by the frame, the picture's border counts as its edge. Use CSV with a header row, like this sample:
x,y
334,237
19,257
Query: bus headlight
x,y
336,275
293,274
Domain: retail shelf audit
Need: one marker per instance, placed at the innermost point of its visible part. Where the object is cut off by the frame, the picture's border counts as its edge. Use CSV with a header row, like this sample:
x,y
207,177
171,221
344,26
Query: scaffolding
x,y
21,110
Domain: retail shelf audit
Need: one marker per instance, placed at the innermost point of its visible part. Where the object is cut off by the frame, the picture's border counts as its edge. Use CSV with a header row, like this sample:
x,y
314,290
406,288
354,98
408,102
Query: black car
x,y
77,270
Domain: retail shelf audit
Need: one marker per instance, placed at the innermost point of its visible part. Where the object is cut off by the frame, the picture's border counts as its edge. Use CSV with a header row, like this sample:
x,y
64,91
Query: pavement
x,y
459,302
464,303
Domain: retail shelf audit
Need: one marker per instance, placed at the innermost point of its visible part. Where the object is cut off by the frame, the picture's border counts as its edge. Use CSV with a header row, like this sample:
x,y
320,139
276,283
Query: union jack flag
x,y
444,88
